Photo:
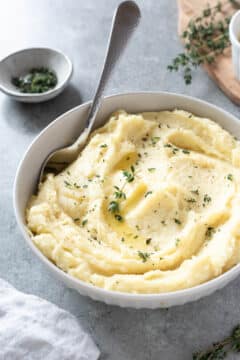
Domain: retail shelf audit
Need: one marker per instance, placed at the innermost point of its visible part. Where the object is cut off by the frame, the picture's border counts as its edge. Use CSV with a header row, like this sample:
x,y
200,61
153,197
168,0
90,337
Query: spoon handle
x,y
125,20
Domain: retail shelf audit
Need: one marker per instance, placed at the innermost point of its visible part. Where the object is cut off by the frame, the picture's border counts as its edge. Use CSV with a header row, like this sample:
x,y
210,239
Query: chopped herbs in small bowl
x,y
37,80
35,74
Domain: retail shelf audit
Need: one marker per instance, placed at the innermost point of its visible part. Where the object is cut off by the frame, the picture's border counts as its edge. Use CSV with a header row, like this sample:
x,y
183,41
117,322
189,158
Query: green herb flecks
x,y
206,199
113,207
38,80
190,200
118,217
175,150
148,193
230,177
144,256
129,175
167,145
195,192
155,140
84,222
67,184
177,221
209,232
177,242
119,194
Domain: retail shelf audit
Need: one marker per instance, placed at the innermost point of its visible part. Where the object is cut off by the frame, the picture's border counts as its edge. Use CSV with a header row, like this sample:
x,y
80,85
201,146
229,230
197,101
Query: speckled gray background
x,y
80,28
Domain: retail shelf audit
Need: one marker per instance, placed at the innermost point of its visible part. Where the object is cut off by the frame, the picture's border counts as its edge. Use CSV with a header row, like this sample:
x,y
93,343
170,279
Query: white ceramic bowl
x,y
60,133
234,34
21,62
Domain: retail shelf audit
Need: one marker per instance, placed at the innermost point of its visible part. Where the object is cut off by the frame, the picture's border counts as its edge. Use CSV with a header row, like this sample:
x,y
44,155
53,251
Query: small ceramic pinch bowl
x,y
21,62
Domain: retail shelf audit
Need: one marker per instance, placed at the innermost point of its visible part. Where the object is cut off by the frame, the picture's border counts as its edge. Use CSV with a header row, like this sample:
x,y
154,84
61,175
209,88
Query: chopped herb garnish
x,y
151,169
155,139
76,219
38,80
163,222
113,206
103,146
177,241
84,222
191,200
209,232
148,241
167,145
230,177
129,175
186,151
148,193
118,217
85,186
177,221
67,183
175,150
207,198
119,194
196,192
122,239
143,255
68,172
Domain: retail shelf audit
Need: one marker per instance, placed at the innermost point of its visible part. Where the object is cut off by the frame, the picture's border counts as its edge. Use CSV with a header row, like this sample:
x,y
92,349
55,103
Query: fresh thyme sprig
x,y
119,194
205,37
114,206
219,350
129,175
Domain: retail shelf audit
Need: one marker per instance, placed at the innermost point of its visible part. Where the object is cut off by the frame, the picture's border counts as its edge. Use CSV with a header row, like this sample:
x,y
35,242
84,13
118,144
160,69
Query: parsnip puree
x,y
151,205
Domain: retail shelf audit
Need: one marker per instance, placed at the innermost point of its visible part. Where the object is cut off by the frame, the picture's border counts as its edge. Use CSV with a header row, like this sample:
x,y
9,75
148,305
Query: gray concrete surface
x,y
80,28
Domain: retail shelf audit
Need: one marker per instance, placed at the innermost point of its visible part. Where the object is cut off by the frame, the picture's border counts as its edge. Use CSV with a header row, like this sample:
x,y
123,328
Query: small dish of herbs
x,y
37,80
35,75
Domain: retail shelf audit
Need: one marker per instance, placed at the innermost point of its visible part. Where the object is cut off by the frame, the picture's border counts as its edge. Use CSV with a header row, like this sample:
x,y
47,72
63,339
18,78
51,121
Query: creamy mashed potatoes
x,y
151,205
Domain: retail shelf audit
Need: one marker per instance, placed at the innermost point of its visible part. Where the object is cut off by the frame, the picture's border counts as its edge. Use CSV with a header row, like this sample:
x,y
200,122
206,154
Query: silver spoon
x,y
125,20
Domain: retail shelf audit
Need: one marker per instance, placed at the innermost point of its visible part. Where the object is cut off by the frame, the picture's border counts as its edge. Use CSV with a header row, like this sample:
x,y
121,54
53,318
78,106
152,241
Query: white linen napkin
x,y
34,329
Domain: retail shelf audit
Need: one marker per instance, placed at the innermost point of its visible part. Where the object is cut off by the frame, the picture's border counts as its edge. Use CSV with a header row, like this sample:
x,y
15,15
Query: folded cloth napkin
x,y
34,329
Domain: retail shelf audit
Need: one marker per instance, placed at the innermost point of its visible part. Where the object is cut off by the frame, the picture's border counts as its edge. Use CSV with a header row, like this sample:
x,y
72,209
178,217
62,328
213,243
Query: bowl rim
x,y
232,33
59,86
148,297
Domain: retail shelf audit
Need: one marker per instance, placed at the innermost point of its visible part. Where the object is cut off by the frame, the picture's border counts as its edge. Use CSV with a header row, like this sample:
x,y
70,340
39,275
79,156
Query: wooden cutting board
x,y
222,70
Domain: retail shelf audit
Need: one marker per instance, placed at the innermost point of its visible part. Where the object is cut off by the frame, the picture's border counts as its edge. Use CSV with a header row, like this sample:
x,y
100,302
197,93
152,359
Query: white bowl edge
x,y
152,301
